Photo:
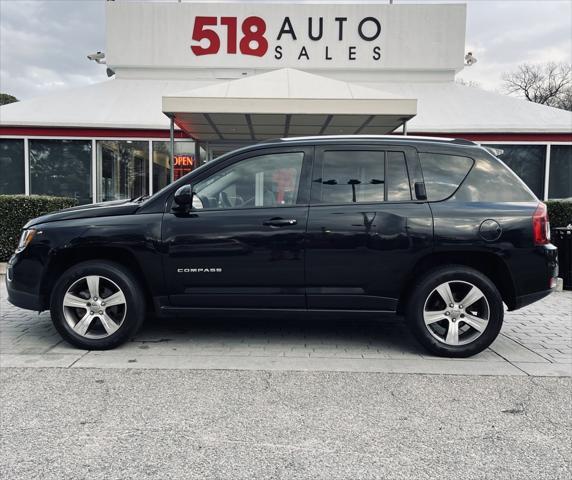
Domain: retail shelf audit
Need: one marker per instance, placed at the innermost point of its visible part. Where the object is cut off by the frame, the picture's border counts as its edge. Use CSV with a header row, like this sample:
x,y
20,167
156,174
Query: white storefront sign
x,y
310,36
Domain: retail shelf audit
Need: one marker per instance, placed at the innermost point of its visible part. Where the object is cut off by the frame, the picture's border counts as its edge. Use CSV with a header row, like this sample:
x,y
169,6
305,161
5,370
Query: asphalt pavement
x,y
108,424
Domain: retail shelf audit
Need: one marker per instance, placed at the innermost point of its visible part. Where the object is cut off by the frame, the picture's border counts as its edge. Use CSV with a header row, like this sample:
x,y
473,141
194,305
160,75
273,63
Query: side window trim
x,y
410,186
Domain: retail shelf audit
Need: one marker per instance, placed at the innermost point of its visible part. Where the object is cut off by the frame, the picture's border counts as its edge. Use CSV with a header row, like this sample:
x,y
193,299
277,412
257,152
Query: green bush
x,y
559,213
16,210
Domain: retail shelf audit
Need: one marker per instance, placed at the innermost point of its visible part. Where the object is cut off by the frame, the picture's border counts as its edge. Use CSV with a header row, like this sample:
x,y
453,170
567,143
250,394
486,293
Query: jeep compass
x,y
437,230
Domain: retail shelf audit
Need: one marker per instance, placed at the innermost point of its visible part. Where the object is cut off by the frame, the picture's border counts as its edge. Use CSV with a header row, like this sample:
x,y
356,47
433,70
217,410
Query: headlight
x,y
26,238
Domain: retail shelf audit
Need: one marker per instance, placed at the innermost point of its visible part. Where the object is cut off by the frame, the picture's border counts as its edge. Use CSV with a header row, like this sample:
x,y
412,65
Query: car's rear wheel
x,y
97,305
455,311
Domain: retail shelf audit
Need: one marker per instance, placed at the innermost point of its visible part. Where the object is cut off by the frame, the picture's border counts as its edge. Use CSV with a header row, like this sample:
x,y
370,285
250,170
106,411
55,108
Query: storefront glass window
x,y
527,161
61,168
11,166
560,181
122,167
184,162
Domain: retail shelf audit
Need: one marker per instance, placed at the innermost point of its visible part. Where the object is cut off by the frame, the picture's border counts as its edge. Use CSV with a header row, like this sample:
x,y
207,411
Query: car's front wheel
x,y
97,305
455,311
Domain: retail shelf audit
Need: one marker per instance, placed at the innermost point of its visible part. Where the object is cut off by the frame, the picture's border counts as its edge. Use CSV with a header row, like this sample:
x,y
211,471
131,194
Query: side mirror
x,y
420,192
184,197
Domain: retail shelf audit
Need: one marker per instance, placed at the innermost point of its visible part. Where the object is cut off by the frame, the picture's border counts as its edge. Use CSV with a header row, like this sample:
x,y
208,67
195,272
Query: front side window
x,y
270,180
352,176
443,174
61,168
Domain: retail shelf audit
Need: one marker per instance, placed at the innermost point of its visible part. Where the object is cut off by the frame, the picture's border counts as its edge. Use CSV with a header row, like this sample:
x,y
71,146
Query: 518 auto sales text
x,y
253,37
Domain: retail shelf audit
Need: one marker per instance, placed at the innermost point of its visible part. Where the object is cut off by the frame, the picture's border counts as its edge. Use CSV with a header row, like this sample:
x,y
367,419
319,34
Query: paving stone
x,y
536,340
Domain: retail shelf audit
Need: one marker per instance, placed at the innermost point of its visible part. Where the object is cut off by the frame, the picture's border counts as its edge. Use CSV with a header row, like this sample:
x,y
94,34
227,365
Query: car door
x,y
366,229
242,243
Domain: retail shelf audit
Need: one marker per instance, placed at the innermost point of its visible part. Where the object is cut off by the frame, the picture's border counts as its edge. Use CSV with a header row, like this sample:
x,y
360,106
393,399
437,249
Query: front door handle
x,y
279,222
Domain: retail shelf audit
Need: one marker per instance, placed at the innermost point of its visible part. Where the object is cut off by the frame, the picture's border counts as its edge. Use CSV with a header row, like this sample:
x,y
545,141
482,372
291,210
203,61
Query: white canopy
x,y
286,102
443,107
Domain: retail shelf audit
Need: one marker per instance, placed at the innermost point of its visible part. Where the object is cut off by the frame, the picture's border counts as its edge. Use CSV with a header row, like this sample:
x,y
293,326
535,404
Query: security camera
x,y
469,59
98,57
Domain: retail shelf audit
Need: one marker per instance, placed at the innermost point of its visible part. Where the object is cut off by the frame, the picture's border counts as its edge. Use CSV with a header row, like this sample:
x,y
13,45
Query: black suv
x,y
438,230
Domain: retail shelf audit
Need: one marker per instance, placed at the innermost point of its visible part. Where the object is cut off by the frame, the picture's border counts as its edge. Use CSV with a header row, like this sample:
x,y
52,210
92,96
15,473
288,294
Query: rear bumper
x,y
538,279
525,300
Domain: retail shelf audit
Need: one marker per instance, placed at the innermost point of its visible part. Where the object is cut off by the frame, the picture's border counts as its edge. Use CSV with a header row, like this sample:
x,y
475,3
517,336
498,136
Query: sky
x,y
44,43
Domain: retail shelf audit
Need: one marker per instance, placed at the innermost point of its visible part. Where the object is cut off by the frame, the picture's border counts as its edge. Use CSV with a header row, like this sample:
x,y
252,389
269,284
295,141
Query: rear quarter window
x,y
492,181
443,173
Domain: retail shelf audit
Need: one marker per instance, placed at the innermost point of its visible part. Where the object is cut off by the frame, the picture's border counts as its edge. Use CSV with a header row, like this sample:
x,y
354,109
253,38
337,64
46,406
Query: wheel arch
x,y
488,264
67,258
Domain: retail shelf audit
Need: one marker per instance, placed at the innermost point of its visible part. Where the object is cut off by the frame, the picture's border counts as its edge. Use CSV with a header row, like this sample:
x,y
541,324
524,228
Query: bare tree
x,y
546,83
467,83
565,100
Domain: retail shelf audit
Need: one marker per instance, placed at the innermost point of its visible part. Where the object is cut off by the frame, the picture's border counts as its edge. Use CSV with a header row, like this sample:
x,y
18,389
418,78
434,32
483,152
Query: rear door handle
x,y
279,222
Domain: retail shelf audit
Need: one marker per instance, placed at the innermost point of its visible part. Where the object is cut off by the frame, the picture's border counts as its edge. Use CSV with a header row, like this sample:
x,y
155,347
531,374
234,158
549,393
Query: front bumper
x,y
23,294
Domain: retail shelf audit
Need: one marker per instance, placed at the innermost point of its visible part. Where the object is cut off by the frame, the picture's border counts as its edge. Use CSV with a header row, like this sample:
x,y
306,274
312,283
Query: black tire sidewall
x,y
454,273
134,301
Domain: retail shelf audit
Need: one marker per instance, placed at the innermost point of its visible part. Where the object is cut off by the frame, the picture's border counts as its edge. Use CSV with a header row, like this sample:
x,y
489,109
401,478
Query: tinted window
x,y
397,179
560,172
352,176
527,161
491,181
264,181
62,168
11,166
443,173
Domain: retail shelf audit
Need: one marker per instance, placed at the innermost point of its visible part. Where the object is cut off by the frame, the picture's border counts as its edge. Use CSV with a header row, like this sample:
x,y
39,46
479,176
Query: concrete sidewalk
x,y
534,341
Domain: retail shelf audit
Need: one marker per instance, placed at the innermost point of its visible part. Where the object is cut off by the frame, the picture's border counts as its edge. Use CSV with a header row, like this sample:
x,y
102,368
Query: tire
x,y
103,325
436,325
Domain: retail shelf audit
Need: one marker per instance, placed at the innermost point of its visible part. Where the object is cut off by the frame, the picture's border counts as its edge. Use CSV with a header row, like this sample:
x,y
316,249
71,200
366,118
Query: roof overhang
x,y
285,103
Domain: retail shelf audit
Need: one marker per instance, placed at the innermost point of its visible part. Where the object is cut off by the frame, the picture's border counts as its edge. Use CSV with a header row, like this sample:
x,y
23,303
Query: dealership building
x,y
191,80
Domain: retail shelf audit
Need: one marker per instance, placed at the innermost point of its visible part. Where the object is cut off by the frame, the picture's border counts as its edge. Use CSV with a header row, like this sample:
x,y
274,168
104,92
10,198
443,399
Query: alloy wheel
x,y
94,307
456,313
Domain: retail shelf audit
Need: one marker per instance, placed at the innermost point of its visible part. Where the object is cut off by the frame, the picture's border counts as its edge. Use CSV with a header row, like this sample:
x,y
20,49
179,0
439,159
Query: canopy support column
x,y
405,127
197,154
172,147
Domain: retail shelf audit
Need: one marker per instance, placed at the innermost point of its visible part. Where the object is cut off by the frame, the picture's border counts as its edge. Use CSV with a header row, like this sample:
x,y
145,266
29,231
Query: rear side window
x,y
443,173
352,176
398,188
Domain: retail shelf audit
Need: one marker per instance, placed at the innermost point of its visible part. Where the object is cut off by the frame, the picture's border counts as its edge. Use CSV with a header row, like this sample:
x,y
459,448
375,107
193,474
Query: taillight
x,y
540,225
